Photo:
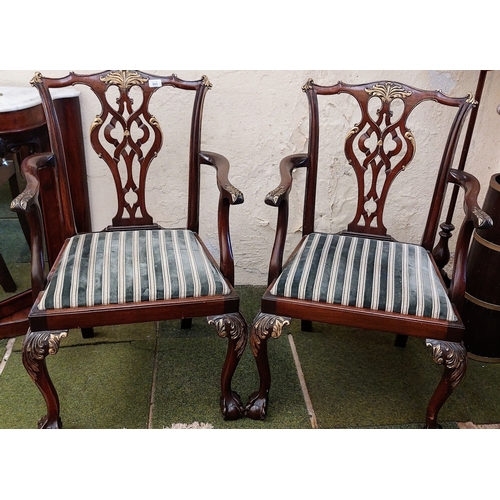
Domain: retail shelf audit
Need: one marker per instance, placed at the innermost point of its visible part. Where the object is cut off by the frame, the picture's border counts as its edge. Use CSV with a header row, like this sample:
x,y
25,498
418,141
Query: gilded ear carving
x,y
37,78
471,99
206,81
308,85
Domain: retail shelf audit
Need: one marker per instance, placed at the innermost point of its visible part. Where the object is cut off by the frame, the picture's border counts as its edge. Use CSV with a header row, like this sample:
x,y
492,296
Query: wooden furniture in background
x,y
362,277
8,174
481,313
23,131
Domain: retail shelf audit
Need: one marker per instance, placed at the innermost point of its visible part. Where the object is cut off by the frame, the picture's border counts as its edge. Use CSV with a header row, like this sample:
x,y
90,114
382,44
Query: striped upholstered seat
x,y
131,266
366,273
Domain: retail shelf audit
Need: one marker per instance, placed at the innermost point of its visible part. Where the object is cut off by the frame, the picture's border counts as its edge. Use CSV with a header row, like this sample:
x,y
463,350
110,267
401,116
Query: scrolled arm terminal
x,y
471,186
221,165
287,165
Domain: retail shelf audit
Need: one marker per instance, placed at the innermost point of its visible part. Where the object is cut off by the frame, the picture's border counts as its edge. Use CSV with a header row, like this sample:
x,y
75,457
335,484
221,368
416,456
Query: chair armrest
x,y
221,165
229,195
474,218
287,165
28,203
279,198
29,168
471,186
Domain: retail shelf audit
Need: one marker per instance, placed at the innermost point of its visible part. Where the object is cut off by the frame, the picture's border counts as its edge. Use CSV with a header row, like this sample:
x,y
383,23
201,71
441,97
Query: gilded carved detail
x,y
232,325
97,121
153,121
37,78
308,85
265,326
410,137
275,194
206,81
388,91
352,132
471,99
452,355
235,193
483,219
37,346
124,79
21,202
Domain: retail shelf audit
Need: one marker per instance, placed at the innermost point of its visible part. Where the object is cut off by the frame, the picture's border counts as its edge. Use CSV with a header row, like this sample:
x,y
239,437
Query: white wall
x,y
255,118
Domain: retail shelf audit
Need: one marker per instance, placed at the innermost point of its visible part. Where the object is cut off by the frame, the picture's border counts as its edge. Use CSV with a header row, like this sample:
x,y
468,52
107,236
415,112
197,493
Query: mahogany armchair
x,y
134,270
362,277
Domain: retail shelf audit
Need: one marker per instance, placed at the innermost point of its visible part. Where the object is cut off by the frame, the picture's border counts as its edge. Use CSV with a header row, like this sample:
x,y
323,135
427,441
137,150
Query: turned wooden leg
x,y
36,347
453,356
263,327
234,327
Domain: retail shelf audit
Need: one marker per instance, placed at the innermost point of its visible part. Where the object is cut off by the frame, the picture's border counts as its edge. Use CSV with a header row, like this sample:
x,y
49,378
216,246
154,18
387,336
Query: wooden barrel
x,y
481,312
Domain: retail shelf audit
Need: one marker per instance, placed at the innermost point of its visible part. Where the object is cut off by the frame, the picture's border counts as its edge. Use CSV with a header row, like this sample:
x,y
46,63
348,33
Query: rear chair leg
x,y
186,323
36,347
453,356
234,327
263,327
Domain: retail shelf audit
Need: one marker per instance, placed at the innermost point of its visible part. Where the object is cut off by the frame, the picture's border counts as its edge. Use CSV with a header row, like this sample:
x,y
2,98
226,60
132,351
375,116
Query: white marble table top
x,y
17,98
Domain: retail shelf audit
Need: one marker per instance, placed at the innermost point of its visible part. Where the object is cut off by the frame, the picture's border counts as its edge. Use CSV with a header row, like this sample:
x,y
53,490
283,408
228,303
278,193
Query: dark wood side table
x,y
23,132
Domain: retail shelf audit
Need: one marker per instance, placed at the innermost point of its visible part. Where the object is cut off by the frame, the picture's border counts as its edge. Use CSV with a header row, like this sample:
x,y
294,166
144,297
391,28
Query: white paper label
x,y
155,83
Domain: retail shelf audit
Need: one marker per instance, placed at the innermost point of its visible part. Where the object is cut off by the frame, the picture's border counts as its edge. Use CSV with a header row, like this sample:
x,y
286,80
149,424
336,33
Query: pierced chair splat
x,y
362,277
135,270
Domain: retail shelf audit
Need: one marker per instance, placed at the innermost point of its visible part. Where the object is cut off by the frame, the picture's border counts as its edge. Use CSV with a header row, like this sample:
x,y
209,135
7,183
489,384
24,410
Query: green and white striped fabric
x,y
119,267
366,273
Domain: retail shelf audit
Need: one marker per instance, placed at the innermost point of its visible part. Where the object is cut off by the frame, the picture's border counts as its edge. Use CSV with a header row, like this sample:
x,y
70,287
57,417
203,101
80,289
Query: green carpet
x,y
5,199
358,378
13,246
355,379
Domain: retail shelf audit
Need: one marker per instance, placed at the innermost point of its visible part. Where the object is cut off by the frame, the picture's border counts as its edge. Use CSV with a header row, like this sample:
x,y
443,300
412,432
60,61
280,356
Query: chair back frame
x,y
125,135
380,160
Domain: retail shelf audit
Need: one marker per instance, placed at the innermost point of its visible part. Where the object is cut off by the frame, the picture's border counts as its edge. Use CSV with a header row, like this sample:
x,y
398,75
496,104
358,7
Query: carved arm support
x,y
28,202
229,195
279,198
475,218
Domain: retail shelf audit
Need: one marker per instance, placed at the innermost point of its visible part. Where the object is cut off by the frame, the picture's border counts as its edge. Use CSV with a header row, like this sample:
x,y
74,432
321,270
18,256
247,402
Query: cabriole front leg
x,y
453,356
263,327
36,347
234,327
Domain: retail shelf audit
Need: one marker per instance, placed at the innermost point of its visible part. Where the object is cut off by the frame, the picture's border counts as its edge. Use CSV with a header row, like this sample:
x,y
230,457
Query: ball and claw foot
x,y
256,407
49,423
232,408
